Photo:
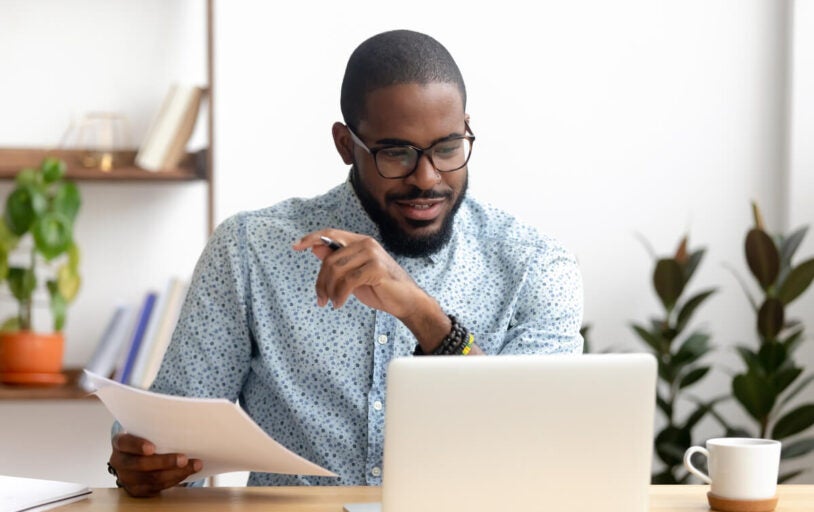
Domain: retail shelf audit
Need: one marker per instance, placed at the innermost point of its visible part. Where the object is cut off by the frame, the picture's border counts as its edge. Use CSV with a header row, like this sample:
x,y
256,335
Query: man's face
x,y
415,213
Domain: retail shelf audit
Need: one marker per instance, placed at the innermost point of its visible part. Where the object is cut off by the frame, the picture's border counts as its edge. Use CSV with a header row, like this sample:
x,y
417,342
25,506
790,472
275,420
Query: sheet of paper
x,y
31,494
216,431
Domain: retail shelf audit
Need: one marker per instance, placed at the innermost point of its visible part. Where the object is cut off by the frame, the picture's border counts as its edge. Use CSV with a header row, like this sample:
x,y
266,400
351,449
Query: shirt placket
x,y
382,354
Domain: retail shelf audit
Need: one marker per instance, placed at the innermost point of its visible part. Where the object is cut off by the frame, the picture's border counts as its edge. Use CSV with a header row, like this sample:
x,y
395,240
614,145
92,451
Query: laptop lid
x,y
494,433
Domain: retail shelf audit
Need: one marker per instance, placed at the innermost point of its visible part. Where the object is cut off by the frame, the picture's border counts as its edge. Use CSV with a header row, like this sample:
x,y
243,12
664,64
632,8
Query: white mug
x,y
740,468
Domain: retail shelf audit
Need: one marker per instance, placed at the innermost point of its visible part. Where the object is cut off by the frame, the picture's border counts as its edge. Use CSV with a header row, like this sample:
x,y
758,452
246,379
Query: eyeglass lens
x,y
446,156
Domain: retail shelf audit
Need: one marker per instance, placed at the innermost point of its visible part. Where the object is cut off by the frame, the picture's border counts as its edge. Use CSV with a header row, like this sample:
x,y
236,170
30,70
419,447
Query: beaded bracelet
x,y
459,341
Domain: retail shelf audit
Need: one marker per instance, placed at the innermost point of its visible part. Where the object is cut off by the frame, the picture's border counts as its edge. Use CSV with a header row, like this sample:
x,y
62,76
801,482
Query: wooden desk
x,y
664,498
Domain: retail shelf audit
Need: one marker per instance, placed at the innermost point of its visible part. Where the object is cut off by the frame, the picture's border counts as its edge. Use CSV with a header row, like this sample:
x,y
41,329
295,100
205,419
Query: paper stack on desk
x,y
35,495
214,430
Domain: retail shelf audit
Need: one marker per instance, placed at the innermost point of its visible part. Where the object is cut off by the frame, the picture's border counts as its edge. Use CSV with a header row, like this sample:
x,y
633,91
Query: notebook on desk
x,y
512,433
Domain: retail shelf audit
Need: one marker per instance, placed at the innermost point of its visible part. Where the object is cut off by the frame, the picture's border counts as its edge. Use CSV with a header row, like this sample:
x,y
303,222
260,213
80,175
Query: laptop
x,y
512,433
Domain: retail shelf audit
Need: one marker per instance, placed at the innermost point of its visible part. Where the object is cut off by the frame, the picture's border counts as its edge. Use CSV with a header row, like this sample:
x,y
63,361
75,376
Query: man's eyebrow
x,y
402,142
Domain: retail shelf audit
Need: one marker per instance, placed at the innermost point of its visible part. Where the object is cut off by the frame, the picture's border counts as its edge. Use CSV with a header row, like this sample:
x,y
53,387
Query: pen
x,y
331,243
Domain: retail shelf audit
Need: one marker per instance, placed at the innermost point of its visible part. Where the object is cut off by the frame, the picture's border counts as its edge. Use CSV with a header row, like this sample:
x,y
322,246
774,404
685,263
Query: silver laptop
x,y
512,433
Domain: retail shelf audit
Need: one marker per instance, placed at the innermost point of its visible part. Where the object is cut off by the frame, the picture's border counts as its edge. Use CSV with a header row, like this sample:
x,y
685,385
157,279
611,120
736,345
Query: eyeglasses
x,y
395,161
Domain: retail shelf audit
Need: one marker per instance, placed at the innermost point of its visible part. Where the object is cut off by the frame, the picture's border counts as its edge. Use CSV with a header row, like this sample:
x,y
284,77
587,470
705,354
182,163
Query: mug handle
x,y
692,469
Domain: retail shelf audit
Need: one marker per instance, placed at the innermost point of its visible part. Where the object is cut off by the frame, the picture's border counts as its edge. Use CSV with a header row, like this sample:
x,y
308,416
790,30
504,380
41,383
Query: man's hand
x,y
363,268
142,472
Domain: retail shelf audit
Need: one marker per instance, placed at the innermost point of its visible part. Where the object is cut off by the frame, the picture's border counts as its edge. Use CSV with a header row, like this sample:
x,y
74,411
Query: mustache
x,y
417,193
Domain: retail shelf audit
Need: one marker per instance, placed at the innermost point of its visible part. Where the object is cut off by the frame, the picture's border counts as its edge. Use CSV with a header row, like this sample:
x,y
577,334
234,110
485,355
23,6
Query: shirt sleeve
x,y
210,351
549,309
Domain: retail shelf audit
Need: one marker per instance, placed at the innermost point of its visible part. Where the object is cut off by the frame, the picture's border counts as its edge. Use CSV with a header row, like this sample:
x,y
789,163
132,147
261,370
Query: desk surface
x,y
664,498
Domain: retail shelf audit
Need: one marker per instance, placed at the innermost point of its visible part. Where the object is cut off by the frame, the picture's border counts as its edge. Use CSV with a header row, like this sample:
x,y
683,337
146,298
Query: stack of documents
x,y
30,494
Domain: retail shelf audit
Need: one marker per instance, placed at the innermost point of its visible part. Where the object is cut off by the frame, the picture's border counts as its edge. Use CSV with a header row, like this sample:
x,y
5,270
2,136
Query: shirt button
x,y
377,405
382,339
377,471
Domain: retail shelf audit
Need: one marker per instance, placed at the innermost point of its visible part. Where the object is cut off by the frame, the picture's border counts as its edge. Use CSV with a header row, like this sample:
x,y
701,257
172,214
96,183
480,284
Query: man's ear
x,y
343,142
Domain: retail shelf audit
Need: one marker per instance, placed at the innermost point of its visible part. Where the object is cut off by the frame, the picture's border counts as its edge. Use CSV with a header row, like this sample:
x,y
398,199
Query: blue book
x,y
138,335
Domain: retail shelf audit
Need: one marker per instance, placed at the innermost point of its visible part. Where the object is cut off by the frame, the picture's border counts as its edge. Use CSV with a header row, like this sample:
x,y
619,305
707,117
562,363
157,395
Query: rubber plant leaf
x,y
762,257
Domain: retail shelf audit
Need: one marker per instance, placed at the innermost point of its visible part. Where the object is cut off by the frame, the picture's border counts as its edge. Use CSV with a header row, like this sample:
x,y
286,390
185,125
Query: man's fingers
x,y
165,461
144,484
129,443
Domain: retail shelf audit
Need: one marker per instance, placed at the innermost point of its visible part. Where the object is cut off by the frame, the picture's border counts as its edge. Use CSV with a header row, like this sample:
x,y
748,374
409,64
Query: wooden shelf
x,y
192,168
70,390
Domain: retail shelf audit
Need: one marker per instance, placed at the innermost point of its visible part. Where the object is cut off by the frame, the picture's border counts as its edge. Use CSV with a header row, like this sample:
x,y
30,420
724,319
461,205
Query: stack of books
x,y
136,336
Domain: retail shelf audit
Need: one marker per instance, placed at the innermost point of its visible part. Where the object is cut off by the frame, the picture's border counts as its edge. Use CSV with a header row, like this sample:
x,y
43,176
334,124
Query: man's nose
x,y
425,175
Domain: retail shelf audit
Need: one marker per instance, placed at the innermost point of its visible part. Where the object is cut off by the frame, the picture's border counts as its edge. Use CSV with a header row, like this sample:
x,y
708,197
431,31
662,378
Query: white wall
x,y
641,117
62,60
595,121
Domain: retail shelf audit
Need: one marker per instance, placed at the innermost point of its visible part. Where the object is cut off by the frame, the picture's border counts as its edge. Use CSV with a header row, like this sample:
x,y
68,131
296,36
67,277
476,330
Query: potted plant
x,y
772,378
36,244
679,355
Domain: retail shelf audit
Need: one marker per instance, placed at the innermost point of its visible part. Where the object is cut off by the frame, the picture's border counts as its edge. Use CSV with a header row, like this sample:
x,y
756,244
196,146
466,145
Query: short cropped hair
x,y
393,58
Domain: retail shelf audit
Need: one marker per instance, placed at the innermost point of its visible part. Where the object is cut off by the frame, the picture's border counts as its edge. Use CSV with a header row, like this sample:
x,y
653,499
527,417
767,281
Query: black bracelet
x,y
112,471
458,342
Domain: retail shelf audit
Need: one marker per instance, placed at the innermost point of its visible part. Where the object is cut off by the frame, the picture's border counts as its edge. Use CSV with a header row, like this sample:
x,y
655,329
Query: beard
x,y
394,238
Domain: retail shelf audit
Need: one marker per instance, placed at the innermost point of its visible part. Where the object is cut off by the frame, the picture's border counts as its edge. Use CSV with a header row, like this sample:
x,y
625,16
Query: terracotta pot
x,y
24,352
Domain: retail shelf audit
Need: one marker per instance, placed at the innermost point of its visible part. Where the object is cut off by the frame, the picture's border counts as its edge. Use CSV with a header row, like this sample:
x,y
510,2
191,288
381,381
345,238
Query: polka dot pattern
x,y
314,378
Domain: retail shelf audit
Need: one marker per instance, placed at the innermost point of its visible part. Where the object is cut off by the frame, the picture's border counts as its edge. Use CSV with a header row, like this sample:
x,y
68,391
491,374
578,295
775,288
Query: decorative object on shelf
x,y
103,138
772,379
37,226
680,364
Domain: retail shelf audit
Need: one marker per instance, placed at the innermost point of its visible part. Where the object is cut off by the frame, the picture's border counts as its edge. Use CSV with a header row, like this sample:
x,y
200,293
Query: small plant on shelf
x,y
37,242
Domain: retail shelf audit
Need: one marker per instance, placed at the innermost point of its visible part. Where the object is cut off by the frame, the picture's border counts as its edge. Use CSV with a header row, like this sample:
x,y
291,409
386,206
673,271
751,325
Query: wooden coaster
x,y
729,505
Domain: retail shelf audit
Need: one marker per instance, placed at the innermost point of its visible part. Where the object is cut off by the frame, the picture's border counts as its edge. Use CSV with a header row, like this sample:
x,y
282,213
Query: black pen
x,y
331,243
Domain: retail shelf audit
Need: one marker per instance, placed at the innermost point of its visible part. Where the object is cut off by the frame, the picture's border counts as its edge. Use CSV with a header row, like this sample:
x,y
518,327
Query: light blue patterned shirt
x,y
314,378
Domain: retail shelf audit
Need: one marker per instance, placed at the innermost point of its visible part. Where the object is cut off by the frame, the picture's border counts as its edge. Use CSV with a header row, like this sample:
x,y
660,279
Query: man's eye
x,y
395,153
447,149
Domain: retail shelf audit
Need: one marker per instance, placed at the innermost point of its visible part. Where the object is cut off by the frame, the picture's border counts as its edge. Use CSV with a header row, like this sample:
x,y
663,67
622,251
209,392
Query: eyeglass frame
x,y
421,151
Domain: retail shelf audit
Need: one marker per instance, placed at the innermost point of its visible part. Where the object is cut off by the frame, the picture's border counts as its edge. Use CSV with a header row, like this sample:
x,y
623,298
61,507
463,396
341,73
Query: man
x,y
408,263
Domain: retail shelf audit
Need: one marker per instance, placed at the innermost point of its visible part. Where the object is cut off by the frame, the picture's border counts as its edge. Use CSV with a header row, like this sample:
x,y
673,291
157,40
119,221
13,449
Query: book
x,y
159,330
163,336
111,344
164,145
19,494
139,328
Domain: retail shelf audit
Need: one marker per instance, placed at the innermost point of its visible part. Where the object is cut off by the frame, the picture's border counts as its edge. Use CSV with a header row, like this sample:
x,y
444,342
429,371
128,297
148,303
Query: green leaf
x,y
68,282
696,416
794,422
664,406
53,169
21,283
798,280
28,177
749,358
67,200
52,235
10,324
793,340
21,210
74,256
652,340
689,307
784,378
692,264
754,392
797,448
671,443
772,357
799,387
668,280
770,318
59,309
762,257
693,376
743,286
693,348
790,244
